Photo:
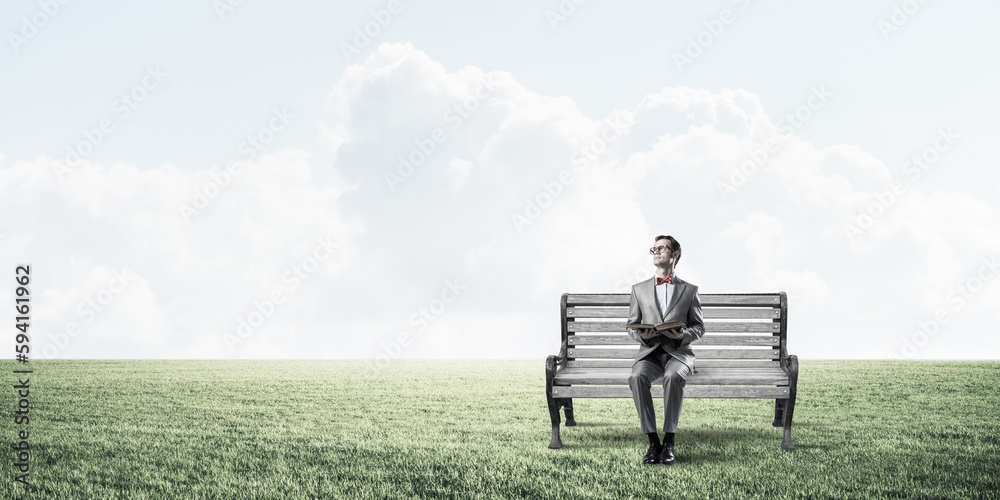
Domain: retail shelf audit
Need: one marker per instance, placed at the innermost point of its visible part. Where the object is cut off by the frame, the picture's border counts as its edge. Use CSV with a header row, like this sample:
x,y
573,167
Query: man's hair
x,y
673,244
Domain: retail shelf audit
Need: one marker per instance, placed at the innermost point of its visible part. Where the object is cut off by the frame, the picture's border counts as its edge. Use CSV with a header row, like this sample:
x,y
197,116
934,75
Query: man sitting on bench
x,y
661,299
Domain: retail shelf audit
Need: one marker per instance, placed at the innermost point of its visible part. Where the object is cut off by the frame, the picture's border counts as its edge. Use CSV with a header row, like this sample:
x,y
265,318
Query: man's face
x,y
664,255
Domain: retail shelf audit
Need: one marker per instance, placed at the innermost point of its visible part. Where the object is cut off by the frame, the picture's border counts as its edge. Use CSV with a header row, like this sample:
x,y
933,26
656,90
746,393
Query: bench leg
x,y
550,371
793,379
556,442
779,412
568,405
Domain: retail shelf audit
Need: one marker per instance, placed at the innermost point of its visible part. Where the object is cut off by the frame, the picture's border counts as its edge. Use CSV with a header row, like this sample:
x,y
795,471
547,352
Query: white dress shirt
x,y
663,293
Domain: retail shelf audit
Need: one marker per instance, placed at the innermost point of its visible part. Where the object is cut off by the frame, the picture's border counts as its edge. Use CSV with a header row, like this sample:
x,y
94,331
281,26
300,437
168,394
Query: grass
x,y
480,429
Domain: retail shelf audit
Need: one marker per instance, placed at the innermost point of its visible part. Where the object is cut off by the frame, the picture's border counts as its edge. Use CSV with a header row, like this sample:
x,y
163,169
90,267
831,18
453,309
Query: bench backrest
x,y
741,330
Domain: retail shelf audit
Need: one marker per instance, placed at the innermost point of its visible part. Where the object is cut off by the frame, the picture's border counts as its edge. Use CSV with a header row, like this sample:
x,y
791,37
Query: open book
x,y
670,325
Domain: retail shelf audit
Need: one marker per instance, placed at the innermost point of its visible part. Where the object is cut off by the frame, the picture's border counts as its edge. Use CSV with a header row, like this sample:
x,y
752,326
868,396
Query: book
x,y
670,325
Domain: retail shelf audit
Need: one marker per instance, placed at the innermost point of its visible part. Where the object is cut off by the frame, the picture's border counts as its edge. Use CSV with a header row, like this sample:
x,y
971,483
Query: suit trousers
x,y
644,372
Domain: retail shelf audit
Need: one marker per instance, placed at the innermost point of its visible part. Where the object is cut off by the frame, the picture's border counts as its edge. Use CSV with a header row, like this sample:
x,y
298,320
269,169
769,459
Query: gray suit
x,y
660,356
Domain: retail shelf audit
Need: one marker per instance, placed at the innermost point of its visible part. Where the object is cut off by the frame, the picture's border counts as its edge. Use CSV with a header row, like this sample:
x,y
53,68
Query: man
x,y
660,299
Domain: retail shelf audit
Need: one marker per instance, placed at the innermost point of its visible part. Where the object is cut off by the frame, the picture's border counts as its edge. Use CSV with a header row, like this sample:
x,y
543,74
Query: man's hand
x,y
673,333
646,333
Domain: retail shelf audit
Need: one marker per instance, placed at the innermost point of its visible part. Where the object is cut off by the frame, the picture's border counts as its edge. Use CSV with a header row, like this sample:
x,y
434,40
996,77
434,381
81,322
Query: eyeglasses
x,y
659,249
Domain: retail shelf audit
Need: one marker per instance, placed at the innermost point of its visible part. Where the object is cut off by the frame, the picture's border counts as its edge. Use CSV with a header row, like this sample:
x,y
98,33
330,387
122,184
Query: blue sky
x,y
336,126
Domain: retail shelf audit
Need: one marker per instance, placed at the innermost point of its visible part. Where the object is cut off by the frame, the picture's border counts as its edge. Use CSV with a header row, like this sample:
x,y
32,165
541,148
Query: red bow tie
x,y
668,279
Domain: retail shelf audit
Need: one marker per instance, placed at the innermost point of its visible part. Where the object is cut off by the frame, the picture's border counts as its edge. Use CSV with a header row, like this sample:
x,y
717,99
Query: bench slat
x,y
707,299
657,392
706,312
706,376
699,353
699,364
708,339
596,312
710,326
768,369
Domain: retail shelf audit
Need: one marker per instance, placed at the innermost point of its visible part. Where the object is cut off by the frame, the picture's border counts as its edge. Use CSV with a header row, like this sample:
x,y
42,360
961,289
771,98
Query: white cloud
x,y
458,172
192,280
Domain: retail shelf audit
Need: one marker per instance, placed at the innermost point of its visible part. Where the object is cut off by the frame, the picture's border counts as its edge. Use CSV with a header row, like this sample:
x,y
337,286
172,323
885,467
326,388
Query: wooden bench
x,y
743,354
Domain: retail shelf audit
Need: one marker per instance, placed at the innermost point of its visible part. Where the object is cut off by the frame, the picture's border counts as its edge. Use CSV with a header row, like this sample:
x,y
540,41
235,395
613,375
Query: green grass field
x,y
480,429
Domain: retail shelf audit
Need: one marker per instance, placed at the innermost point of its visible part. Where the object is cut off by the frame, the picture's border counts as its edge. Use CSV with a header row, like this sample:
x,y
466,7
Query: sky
x,y
423,180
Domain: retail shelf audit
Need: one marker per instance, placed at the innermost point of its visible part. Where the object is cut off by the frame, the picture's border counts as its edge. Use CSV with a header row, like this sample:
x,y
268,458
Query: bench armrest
x,y
787,360
557,361
552,366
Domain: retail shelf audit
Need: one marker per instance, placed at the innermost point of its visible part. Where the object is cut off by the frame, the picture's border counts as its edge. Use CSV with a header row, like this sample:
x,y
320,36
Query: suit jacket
x,y
684,306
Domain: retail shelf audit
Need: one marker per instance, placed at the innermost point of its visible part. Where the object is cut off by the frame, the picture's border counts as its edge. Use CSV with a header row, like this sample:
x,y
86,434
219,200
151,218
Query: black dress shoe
x,y
651,456
667,455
